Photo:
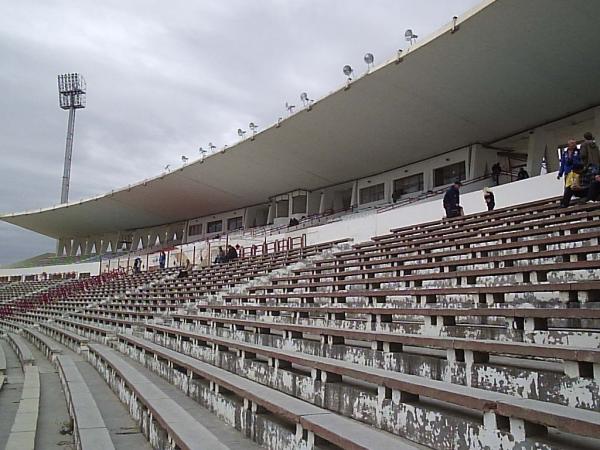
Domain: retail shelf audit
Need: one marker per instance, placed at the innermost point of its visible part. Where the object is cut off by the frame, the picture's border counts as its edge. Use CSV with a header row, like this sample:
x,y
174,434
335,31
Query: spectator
x,y
231,254
573,185
522,174
162,259
488,196
238,250
137,265
496,171
568,159
220,256
594,189
452,200
397,194
185,270
589,151
293,222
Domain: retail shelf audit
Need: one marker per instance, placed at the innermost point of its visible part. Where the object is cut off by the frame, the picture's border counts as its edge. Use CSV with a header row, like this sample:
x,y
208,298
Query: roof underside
x,y
512,65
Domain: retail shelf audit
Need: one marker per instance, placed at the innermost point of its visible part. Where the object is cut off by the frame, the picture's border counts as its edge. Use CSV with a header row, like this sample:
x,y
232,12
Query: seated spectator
x,y
397,194
137,265
573,185
522,174
293,222
220,258
592,177
589,151
231,254
452,200
569,158
496,171
488,196
185,270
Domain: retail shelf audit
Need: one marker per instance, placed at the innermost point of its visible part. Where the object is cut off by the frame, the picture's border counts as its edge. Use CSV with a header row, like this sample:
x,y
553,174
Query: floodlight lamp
x,y
369,58
289,107
279,120
211,146
347,69
410,36
167,167
454,25
184,159
241,132
253,126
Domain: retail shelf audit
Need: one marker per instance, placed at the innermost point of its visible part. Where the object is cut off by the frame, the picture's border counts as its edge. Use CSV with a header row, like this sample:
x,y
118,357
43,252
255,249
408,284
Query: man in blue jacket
x,y
452,200
569,158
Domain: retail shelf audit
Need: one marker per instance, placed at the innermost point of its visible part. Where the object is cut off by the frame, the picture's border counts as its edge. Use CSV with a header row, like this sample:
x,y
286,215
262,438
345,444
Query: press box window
x,y
214,227
408,185
449,174
195,230
299,204
234,223
372,194
283,206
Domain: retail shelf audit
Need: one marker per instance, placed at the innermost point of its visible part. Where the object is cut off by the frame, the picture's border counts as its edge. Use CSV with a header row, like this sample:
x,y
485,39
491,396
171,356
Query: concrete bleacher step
x,y
165,422
23,431
89,429
310,421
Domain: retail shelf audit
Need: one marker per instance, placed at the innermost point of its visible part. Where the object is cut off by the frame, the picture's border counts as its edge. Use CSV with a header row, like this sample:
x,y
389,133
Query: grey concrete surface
x,y
10,394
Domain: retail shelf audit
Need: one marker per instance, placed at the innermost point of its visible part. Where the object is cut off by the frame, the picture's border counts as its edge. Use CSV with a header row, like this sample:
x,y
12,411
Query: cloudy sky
x,y
167,77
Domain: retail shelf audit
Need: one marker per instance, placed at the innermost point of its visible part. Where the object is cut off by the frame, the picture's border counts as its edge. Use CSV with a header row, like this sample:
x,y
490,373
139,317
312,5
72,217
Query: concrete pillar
x,y
322,203
354,201
271,214
542,143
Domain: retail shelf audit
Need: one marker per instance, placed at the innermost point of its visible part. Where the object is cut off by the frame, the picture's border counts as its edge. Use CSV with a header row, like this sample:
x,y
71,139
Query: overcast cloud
x,y
167,77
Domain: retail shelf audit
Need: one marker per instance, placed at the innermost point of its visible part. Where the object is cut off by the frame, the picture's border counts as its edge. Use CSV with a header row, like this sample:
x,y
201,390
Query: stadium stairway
x,y
474,332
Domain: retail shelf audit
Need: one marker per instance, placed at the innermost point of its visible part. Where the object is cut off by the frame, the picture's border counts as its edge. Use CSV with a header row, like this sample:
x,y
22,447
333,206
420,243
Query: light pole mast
x,y
71,96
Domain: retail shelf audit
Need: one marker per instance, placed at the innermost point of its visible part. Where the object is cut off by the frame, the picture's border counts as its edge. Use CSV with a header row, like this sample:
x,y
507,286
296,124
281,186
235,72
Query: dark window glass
x,y
372,193
449,174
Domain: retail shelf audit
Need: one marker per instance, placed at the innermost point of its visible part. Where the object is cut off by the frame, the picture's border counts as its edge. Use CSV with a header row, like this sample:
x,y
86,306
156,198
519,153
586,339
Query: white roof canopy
x,y
512,65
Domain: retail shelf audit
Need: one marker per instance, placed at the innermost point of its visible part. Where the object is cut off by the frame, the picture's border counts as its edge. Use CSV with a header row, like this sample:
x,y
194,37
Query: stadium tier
x,y
480,331
407,273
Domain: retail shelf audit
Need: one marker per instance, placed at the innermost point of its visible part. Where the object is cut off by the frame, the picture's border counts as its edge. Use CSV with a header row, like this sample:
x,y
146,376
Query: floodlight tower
x,y
71,96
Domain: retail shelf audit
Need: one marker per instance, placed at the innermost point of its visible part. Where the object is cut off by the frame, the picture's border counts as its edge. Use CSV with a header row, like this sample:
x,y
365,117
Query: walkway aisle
x,y
124,432
10,394
53,414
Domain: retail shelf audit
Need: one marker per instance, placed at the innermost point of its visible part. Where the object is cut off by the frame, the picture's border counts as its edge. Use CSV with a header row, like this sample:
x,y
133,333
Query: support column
x,y
542,143
354,198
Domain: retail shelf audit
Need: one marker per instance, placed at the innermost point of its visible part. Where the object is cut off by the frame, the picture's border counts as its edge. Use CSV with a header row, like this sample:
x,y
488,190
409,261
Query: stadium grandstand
x,y
320,298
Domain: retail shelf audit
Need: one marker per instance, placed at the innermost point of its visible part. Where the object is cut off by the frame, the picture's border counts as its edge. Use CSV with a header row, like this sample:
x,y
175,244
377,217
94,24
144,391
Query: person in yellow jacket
x,y
573,185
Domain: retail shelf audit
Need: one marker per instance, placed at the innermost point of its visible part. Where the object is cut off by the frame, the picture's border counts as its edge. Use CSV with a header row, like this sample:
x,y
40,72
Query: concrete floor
x,y
53,413
10,394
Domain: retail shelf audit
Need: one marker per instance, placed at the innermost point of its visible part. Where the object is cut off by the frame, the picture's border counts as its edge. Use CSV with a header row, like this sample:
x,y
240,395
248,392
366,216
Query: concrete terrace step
x,y
573,420
177,425
89,428
341,431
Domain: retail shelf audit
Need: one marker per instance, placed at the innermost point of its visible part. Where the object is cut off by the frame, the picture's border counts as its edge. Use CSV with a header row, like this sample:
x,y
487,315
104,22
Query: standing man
x,y
488,196
569,159
496,171
452,200
589,151
162,259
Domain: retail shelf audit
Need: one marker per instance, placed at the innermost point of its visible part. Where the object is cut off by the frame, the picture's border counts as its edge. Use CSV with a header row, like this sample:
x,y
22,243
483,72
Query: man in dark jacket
x,y
588,152
523,174
231,253
452,200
